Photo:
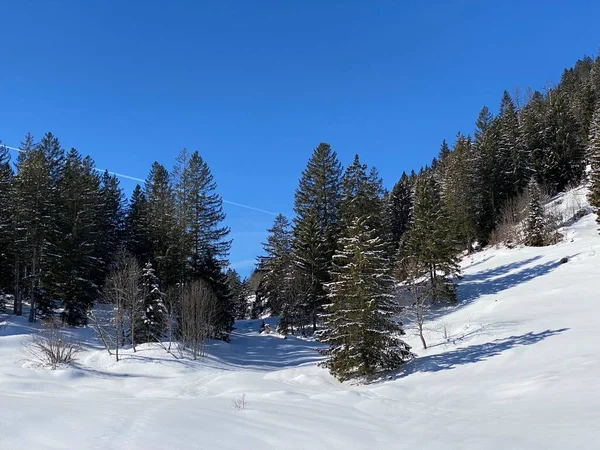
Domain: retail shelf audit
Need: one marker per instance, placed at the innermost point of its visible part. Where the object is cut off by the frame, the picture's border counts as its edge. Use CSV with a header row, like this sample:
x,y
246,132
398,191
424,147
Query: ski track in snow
x,y
520,370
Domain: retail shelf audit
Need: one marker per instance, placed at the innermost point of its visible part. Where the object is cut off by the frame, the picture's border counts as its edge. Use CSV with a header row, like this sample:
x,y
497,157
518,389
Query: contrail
x,y
129,177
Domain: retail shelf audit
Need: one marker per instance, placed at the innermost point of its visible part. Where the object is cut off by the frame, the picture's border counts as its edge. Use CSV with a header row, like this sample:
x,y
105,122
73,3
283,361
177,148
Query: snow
x,y
519,368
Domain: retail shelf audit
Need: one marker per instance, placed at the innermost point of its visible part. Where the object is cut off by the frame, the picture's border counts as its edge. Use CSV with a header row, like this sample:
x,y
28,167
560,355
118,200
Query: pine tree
x,y
360,330
482,180
36,213
564,163
204,210
514,155
316,225
429,240
138,241
111,225
6,258
362,193
162,225
459,192
239,293
275,264
535,226
594,158
398,210
152,320
80,237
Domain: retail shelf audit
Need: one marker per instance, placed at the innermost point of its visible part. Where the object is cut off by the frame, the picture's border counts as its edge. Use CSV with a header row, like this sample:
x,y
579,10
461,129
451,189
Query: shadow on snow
x,y
473,353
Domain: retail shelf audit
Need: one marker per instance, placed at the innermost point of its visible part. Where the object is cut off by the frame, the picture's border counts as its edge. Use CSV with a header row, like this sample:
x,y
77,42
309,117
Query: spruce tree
x,y
360,330
138,240
6,257
162,225
316,225
459,193
204,210
514,155
398,210
275,264
35,205
152,319
362,194
594,158
80,237
430,241
564,163
535,225
482,181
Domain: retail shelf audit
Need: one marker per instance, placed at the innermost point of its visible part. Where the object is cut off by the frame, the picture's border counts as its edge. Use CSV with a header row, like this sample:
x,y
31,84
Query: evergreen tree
x,y
398,207
111,225
72,275
362,193
459,192
564,163
239,293
204,210
594,158
36,214
316,225
514,156
162,225
6,257
212,273
535,226
482,181
429,240
275,264
138,240
360,329
152,320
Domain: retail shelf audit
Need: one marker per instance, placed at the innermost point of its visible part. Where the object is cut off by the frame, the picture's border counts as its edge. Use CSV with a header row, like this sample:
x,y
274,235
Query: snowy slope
x,y
519,369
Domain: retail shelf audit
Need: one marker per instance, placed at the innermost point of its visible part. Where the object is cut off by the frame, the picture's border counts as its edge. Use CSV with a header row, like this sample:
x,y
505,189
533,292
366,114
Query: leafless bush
x,y
51,348
239,402
510,230
198,309
122,290
419,292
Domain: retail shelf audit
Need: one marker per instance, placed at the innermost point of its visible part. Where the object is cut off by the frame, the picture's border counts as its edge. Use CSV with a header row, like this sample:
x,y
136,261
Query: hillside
x,y
519,368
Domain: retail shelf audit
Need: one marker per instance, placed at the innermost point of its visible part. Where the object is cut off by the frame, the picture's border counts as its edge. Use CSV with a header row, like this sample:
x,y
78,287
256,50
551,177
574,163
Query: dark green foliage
x,y
152,319
239,293
535,226
459,190
594,158
6,257
360,330
275,265
80,238
429,240
137,227
398,208
362,194
316,225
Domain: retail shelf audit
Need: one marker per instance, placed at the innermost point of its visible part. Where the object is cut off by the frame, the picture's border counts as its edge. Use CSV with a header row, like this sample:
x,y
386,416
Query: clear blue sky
x,y
256,85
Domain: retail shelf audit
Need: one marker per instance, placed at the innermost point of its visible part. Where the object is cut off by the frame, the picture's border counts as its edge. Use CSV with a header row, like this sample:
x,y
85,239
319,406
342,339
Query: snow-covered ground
x,y
519,369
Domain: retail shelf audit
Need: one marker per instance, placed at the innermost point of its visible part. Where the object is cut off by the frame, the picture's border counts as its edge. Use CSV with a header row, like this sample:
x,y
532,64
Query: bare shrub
x,y
239,402
419,293
198,309
122,289
51,348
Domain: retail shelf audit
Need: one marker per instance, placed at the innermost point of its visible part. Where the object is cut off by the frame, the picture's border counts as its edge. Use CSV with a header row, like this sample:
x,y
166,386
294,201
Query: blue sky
x,y
256,85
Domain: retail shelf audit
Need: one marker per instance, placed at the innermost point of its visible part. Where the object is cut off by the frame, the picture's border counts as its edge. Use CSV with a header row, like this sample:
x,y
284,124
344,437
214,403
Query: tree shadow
x,y
472,354
500,279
